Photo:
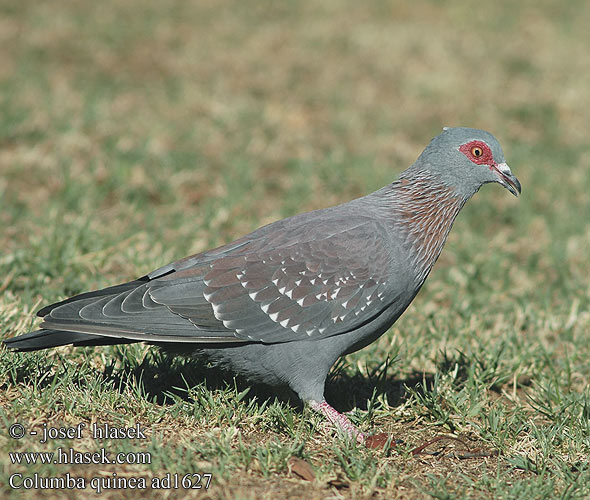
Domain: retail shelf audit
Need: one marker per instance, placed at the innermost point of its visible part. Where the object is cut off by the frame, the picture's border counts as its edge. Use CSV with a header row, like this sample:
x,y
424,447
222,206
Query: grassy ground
x,y
133,133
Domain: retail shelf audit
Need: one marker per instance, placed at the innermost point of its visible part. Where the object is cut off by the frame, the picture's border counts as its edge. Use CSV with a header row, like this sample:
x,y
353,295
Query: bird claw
x,y
343,424
338,420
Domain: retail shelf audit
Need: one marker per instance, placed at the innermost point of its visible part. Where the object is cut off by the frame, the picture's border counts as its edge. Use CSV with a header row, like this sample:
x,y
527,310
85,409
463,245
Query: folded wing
x,y
270,287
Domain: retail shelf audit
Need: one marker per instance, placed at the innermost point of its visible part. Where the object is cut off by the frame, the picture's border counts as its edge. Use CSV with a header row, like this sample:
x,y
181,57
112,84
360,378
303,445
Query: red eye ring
x,y
478,152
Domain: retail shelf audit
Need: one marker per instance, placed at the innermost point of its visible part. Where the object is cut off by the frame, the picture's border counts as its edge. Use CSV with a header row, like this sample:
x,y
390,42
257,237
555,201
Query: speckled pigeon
x,y
281,304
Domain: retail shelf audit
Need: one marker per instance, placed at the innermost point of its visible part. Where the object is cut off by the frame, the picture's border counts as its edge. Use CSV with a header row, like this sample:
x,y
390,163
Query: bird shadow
x,y
163,378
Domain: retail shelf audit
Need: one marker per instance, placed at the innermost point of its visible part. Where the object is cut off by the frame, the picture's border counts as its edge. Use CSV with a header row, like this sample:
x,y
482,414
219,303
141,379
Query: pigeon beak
x,y
506,178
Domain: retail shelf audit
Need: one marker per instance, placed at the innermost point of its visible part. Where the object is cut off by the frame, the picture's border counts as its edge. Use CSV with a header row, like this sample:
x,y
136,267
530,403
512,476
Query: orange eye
x,y
476,151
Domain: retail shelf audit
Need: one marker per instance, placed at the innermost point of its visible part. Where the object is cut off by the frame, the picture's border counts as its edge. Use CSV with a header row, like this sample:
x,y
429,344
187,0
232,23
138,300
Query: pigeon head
x,y
465,159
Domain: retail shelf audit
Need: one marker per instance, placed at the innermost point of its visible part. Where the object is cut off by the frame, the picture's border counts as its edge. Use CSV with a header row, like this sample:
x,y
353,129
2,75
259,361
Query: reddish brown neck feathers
x,y
426,210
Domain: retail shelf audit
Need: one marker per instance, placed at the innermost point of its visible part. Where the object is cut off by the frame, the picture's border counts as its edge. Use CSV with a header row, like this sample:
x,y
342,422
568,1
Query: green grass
x,y
135,133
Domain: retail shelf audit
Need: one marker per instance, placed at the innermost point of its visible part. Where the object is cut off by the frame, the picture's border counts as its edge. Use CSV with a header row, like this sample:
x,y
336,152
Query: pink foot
x,y
339,420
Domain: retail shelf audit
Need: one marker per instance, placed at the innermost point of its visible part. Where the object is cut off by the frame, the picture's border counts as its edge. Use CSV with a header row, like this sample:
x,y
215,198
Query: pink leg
x,y
340,421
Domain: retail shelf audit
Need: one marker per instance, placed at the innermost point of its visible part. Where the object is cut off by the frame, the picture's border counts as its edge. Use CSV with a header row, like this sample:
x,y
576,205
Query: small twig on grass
x,y
476,453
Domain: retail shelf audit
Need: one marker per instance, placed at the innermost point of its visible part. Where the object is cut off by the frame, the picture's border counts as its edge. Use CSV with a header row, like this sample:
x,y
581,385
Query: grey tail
x,y
111,290
43,339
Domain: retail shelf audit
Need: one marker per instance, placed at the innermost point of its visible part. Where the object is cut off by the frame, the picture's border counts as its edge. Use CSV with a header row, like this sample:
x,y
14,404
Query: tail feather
x,y
43,339
111,290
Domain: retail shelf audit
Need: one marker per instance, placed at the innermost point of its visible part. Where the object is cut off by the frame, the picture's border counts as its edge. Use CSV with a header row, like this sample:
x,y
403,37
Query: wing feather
x,y
295,282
